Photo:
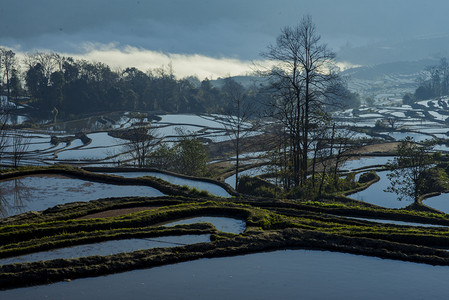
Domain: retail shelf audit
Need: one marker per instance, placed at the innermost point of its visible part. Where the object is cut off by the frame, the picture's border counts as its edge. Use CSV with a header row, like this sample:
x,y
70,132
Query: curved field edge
x,y
272,224
17,275
266,230
221,184
157,183
14,234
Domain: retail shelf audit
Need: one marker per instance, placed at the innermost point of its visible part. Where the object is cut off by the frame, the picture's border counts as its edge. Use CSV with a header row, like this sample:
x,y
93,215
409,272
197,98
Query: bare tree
x,y
303,73
3,143
237,118
1,64
4,116
142,139
9,62
409,171
49,61
393,122
20,143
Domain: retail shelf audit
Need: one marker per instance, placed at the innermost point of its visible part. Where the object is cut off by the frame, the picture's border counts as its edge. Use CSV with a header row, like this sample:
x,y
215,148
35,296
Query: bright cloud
x,y
183,65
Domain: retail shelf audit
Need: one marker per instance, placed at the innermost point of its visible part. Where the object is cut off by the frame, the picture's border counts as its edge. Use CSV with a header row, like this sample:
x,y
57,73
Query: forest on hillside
x,y
69,88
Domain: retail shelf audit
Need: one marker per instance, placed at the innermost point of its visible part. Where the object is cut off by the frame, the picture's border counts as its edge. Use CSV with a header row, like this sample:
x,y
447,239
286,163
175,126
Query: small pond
x,y
224,224
440,202
103,139
200,185
375,194
204,121
290,274
39,192
365,162
417,137
173,130
89,153
109,248
436,130
441,147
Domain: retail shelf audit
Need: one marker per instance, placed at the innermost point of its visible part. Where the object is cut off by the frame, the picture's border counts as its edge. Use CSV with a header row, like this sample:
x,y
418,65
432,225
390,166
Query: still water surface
x,y
440,202
39,192
109,248
395,222
375,194
198,184
290,274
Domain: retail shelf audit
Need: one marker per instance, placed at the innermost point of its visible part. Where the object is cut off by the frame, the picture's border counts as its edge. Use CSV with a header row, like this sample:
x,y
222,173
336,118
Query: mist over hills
x,y
392,67
379,71
417,48
389,81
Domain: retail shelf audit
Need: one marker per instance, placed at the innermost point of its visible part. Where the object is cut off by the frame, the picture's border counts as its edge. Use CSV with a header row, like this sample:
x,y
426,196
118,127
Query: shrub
x,y
367,177
257,187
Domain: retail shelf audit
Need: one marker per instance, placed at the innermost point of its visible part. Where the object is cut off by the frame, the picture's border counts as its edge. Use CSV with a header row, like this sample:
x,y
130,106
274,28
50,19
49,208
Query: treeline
x,y
433,83
69,87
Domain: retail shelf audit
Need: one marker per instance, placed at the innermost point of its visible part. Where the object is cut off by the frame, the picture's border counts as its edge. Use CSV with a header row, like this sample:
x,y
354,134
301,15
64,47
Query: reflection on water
x,y
417,137
291,274
212,188
396,222
39,192
440,202
375,194
3,205
12,198
109,248
366,161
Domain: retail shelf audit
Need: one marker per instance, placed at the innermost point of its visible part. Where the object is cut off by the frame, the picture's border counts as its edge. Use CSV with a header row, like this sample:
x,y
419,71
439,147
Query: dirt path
x,y
383,147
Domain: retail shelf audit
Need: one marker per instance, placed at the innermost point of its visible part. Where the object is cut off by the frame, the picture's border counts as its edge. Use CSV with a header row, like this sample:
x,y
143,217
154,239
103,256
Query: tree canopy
x,y
76,87
409,168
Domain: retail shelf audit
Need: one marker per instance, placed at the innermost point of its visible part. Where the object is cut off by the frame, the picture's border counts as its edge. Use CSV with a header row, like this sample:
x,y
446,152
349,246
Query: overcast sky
x,y
221,37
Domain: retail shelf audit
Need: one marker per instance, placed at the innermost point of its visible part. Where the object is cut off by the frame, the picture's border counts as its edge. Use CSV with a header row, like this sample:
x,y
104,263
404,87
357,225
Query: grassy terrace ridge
x,y
43,272
272,224
279,225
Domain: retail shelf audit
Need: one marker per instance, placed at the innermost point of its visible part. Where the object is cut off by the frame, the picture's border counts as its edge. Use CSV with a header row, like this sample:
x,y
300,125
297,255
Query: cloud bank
x,y
183,65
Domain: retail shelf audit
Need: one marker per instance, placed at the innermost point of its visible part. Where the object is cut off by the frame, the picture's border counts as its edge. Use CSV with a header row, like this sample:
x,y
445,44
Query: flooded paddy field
x,y
289,274
440,202
210,187
191,265
108,248
376,194
242,227
39,192
100,148
395,222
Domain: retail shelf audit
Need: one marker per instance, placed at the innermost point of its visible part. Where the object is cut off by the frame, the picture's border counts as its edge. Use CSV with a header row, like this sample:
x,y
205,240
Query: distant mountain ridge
x,y
394,79
376,72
